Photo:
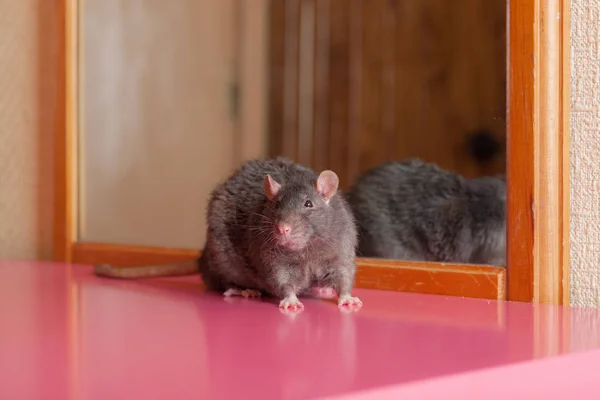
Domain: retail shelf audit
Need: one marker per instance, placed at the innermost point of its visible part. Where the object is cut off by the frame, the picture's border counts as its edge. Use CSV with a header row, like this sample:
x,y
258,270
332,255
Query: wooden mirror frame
x,y
538,61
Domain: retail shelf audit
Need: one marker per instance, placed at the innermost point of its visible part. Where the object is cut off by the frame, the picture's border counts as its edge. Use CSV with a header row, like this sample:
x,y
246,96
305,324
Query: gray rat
x,y
275,227
412,210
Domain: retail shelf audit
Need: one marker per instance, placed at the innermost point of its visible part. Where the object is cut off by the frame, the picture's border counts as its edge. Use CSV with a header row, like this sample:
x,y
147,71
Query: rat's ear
x,y
327,184
271,187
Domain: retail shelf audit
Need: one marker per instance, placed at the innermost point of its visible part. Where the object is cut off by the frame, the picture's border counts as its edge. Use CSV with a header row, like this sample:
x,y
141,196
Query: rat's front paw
x,y
349,301
250,293
291,303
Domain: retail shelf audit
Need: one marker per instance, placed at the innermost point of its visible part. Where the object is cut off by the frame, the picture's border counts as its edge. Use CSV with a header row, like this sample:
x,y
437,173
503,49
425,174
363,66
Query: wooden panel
x,y
564,149
276,74
520,136
406,79
290,77
320,86
356,23
548,156
375,144
129,256
339,83
538,148
432,278
65,181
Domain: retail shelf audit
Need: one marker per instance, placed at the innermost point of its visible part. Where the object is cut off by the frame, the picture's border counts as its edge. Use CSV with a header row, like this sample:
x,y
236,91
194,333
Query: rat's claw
x,y
250,293
349,301
291,302
243,293
348,309
232,292
291,312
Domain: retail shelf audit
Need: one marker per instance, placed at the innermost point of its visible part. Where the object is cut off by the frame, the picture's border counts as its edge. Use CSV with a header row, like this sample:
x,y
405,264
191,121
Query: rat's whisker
x,y
267,242
261,215
257,235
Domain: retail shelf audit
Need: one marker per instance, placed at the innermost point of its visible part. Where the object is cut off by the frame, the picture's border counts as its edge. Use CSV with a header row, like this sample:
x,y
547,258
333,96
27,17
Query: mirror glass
x,y
156,130
175,95
363,87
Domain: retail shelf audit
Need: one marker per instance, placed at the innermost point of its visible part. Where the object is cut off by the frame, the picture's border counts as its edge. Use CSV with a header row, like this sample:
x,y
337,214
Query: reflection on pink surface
x,y
66,334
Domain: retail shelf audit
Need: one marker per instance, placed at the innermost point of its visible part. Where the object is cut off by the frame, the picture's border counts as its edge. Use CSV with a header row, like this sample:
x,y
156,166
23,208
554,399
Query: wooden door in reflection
x,y
355,83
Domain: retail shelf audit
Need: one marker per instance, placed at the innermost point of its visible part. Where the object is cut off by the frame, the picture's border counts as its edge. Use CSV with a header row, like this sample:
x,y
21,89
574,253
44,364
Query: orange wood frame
x,y
537,177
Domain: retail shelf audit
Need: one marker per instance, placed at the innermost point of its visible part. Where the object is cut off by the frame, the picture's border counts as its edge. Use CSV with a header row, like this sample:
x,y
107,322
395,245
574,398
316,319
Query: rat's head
x,y
300,208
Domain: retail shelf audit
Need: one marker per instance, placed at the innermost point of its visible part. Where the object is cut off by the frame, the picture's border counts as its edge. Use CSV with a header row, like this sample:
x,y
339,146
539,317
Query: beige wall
x,y
585,153
28,64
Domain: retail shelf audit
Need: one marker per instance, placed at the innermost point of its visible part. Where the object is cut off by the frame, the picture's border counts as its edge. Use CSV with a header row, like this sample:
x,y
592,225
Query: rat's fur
x,y
241,251
412,210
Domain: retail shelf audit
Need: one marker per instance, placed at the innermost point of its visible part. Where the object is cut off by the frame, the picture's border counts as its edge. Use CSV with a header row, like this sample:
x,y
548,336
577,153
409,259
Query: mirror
x,y
175,95
357,85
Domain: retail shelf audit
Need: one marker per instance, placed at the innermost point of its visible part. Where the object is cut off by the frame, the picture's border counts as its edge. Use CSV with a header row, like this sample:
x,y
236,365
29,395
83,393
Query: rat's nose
x,y
284,229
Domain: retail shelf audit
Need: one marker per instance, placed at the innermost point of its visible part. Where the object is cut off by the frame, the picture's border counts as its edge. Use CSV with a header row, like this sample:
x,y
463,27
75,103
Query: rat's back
x,y
413,210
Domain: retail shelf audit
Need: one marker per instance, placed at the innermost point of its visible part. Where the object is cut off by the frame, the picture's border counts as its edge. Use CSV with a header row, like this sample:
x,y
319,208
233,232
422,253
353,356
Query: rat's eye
x,y
308,203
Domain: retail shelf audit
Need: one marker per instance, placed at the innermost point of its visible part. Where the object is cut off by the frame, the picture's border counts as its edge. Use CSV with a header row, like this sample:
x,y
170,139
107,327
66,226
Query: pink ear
x,y
327,184
271,187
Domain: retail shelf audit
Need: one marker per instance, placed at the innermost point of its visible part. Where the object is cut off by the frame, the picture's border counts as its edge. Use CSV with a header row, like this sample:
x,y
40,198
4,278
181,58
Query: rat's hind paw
x,y
291,302
241,292
250,293
349,301
324,292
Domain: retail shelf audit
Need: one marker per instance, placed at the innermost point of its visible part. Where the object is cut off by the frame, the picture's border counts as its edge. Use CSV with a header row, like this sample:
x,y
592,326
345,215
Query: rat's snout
x,y
283,228
290,232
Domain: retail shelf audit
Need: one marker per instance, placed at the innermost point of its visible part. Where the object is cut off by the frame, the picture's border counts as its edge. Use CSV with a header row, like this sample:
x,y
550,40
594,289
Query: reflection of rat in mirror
x,y
274,227
413,210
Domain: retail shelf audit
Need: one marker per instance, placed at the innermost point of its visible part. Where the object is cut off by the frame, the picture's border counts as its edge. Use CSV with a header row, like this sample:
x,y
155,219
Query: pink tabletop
x,y
65,334
560,378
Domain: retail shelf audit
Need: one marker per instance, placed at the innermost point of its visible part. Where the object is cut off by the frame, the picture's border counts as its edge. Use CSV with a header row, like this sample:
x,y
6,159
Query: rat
x,y
412,210
275,227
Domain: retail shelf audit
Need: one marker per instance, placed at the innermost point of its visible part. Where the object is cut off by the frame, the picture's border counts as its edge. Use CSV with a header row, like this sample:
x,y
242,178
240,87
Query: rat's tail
x,y
147,271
